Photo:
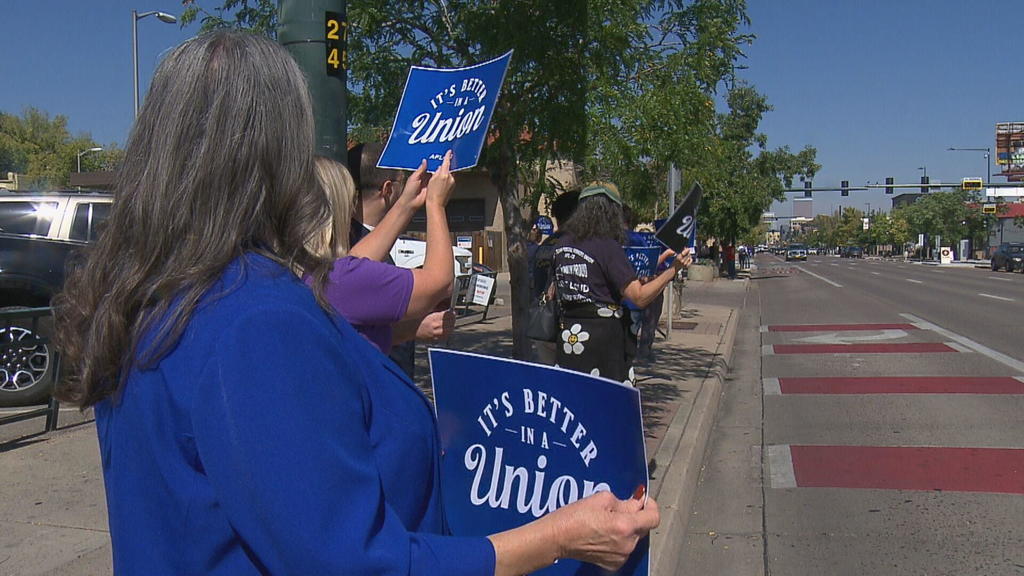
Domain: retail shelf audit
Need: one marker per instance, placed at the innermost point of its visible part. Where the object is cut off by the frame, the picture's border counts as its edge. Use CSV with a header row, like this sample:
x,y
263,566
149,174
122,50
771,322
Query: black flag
x,y
678,230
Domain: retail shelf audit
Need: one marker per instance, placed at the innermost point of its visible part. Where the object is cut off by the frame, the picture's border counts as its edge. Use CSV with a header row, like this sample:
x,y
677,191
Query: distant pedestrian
x,y
730,259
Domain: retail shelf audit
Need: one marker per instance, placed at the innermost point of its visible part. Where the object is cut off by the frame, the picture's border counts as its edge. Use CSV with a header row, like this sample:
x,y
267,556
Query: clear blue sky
x,y
879,87
883,87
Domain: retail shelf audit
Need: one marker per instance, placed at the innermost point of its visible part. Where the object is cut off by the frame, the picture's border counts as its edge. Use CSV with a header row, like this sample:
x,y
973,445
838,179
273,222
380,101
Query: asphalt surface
x,y
847,450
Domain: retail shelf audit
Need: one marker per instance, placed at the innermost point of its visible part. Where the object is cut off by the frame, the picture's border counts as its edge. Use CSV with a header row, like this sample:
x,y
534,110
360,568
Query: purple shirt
x,y
371,295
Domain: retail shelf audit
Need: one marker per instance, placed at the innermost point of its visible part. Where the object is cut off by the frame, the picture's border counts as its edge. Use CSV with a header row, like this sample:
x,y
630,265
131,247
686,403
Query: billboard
x,y
1010,149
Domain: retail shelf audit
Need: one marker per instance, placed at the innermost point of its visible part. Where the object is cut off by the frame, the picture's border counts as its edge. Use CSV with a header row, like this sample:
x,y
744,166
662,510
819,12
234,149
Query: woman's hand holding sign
x,y
439,188
599,529
643,293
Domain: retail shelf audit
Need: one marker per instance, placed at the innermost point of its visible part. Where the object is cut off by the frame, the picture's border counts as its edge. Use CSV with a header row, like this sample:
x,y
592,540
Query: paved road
x,y
872,425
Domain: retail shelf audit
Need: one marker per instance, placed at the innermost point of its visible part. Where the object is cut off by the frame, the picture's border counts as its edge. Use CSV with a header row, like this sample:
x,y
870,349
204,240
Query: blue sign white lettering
x,y
521,440
441,110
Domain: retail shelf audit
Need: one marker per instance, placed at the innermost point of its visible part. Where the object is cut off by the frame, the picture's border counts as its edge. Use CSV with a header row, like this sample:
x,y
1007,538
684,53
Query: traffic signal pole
x,y
315,32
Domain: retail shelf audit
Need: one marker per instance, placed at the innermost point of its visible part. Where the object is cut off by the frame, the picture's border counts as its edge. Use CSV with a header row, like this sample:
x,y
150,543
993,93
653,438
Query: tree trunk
x,y
504,178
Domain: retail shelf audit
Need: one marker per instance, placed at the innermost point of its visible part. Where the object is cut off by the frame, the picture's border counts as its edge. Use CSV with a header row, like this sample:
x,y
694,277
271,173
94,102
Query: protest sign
x,y
644,259
441,110
545,225
521,440
680,230
482,289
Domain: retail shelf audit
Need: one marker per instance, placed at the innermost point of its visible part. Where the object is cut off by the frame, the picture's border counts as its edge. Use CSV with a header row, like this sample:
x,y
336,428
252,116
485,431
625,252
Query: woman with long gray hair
x,y
244,428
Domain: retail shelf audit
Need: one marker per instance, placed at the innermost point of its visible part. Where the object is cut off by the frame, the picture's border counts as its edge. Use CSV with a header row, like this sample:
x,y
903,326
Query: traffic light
x,y
807,188
924,182
888,184
845,188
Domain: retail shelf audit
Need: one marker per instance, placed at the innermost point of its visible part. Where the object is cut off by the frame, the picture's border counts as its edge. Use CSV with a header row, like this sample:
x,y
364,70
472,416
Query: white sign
x,y
482,290
464,242
946,254
1004,192
866,223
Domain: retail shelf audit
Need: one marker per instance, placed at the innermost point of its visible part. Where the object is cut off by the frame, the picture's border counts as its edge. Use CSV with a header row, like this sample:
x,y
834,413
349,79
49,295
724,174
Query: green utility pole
x,y
316,34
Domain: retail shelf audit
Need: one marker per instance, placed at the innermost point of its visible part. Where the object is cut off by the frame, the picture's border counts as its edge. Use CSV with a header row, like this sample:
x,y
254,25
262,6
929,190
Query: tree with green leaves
x,y
951,215
619,88
43,150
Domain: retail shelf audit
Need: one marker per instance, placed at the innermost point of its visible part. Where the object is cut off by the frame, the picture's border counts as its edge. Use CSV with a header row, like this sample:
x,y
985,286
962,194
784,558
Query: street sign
x,y
988,208
336,43
972,183
945,254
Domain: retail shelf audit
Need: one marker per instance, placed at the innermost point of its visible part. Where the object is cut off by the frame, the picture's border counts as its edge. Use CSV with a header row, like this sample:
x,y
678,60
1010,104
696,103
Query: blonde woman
x,y
385,303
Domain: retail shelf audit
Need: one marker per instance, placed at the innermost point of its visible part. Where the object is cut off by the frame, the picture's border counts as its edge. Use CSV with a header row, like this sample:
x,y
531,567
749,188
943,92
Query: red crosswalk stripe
x,y
903,385
999,470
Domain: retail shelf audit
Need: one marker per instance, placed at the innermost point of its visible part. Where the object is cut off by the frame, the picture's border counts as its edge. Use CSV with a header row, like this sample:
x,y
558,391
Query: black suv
x,y
38,230
1009,256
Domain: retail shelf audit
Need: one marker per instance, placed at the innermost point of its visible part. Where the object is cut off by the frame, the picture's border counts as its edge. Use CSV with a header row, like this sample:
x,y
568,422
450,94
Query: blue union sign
x,y
521,440
441,110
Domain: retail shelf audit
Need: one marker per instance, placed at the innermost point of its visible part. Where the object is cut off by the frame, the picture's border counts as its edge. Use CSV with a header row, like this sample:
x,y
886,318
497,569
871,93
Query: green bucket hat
x,y
607,188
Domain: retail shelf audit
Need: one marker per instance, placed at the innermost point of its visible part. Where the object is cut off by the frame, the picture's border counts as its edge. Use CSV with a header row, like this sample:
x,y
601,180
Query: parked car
x,y
853,252
1009,256
796,252
38,231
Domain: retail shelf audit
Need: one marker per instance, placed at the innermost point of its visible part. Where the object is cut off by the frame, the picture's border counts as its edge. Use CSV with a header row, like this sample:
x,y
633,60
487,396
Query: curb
x,y
682,452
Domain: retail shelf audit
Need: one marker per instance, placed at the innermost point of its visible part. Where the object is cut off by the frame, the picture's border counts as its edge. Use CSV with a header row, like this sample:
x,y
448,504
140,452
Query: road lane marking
x,y
975,346
996,297
877,273
1000,278
833,264
959,347
767,350
780,463
891,348
820,277
896,385
840,338
914,281
834,327
925,468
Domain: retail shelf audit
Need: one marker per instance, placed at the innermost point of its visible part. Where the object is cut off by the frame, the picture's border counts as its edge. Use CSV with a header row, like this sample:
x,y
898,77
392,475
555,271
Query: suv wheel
x,y
26,374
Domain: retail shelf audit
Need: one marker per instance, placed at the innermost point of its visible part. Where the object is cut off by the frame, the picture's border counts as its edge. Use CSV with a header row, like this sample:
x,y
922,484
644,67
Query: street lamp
x,y
164,17
84,152
925,169
988,161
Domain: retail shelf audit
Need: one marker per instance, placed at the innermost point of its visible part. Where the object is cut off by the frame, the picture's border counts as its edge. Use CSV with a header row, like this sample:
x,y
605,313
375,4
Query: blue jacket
x,y
274,439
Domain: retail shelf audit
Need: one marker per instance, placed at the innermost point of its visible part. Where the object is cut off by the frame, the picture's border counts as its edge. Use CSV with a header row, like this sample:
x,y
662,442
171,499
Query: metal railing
x,y
28,359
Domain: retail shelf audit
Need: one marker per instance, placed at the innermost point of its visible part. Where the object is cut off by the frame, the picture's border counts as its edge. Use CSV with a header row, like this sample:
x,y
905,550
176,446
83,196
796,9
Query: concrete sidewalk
x,y
53,512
